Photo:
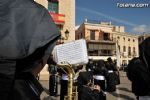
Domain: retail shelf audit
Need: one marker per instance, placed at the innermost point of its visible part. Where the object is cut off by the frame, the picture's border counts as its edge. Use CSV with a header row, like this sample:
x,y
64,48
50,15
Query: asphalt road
x,y
123,91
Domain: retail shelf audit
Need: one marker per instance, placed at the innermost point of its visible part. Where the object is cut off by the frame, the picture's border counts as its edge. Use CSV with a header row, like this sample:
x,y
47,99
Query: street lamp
x,y
66,34
62,38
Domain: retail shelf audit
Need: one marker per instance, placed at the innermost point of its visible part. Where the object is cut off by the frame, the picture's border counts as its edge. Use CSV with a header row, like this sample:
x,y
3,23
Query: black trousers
x,y
111,82
53,85
64,89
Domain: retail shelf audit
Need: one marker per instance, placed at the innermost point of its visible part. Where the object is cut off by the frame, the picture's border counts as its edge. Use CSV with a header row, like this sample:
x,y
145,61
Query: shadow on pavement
x,y
122,96
124,89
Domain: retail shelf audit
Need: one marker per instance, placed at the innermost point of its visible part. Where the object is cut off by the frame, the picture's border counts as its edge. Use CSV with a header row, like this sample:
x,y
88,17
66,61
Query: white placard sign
x,y
74,52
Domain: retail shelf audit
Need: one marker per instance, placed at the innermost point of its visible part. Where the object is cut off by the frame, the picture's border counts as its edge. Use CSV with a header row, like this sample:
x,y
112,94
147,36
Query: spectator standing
x,y
138,72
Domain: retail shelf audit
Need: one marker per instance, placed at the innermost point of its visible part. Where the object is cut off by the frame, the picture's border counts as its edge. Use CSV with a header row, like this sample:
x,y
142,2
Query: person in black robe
x,y
111,79
64,85
138,71
100,74
53,77
87,90
64,81
117,74
90,65
27,37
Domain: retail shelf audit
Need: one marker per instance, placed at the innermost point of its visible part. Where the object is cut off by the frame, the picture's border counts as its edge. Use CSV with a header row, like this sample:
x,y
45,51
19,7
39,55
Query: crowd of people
x,y
105,75
93,83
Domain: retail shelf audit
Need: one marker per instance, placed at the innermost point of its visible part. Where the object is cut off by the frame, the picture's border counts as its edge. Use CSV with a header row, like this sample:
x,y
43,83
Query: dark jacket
x,y
27,33
84,91
139,77
138,70
87,94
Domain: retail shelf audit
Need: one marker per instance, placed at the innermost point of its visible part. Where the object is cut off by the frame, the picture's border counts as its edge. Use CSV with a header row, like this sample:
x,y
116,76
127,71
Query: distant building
x,y
103,39
128,46
63,14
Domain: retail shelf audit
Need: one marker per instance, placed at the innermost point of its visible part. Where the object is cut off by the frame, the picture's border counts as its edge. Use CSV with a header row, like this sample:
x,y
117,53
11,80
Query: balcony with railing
x,y
58,18
102,38
109,42
100,53
101,46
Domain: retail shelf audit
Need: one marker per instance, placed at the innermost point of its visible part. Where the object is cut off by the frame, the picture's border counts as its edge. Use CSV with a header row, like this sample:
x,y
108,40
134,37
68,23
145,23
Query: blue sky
x,y
135,20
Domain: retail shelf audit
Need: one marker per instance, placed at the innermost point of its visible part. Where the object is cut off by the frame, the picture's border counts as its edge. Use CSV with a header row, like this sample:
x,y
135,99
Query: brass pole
x,y
70,86
71,74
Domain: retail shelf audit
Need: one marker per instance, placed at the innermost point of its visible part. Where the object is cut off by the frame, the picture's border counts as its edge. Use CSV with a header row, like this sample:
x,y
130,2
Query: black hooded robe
x,y
138,70
27,33
111,77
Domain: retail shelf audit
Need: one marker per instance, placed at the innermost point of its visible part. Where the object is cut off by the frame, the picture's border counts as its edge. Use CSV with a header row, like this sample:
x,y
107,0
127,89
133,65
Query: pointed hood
x,y
25,27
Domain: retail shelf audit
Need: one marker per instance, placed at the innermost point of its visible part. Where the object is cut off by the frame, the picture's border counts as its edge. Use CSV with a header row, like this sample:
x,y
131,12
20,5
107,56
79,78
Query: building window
x,y
129,51
133,49
133,40
124,39
53,6
119,47
106,53
134,52
128,39
93,53
92,34
118,37
106,36
124,48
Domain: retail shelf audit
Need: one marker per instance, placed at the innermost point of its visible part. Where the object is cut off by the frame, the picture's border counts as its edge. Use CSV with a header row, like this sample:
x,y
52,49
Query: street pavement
x,y
123,91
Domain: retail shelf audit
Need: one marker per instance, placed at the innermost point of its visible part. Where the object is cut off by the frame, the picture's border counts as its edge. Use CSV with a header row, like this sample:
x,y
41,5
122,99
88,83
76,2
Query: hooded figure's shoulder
x,y
136,69
131,68
25,27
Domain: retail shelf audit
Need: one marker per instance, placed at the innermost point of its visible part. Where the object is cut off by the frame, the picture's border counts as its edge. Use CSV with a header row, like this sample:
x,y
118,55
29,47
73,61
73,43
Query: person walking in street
x,y
111,80
64,81
100,74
